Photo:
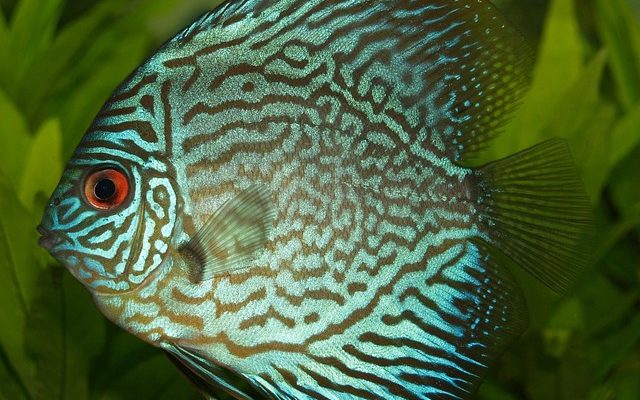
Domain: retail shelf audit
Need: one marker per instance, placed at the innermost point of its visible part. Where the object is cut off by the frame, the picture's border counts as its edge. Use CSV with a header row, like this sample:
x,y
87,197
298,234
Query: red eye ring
x,y
106,189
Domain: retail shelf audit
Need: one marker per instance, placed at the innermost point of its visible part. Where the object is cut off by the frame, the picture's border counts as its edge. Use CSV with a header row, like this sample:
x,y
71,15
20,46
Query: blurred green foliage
x,y
59,60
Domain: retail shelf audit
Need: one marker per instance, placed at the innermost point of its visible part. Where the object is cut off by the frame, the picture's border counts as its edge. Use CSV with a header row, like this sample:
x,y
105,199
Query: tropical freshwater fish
x,y
281,199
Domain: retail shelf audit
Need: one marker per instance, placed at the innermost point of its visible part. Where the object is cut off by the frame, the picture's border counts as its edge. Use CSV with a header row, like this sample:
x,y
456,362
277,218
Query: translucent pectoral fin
x,y
232,236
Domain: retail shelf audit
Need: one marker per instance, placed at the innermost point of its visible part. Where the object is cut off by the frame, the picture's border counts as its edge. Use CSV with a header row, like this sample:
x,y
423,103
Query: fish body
x,y
280,193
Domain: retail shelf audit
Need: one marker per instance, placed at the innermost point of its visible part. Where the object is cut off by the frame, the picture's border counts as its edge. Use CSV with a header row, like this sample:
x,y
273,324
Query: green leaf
x,y
586,122
616,232
160,377
32,29
56,60
579,101
18,272
622,188
3,23
4,32
14,135
620,30
618,346
10,387
65,334
627,385
43,165
492,391
133,369
625,136
559,63
82,106
4,47
567,318
85,333
45,338
604,304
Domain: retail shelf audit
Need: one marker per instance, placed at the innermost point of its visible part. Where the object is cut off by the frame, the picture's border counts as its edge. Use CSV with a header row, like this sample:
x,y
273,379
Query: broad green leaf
x,y
43,165
83,105
4,32
5,59
620,29
492,391
604,303
178,388
166,21
65,334
590,154
567,318
559,63
152,378
625,136
10,384
45,337
85,333
32,29
618,346
623,227
627,385
623,187
3,24
17,280
586,122
15,139
578,101
54,62
133,369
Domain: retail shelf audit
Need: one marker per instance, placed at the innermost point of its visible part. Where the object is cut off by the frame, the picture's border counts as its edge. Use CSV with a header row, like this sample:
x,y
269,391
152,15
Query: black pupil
x,y
105,189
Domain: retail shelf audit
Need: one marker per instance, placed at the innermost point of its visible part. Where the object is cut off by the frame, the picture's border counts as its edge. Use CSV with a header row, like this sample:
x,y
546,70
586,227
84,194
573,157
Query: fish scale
x,y
300,214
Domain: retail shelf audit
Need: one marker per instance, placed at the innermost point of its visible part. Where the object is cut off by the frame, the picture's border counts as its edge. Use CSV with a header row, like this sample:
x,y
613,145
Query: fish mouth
x,y
47,239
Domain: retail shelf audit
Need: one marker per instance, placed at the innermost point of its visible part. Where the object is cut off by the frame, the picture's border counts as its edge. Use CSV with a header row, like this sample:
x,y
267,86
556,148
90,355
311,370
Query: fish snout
x,y
47,239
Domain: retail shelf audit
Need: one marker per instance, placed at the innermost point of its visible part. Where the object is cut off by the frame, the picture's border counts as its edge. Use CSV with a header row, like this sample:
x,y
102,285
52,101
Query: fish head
x,y
113,213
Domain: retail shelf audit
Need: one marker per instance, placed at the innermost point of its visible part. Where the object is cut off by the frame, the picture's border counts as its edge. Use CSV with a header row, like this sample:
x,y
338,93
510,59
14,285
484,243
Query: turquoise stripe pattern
x,y
281,194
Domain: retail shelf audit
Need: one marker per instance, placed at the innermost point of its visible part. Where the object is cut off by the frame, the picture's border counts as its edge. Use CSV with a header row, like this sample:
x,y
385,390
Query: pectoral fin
x,y
232,236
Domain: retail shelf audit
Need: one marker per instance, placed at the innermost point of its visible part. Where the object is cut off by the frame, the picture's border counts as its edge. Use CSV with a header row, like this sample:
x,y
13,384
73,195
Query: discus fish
x,y
280,198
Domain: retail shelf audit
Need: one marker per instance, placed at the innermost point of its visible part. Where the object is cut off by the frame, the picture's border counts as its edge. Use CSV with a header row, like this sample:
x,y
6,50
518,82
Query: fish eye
x,y
106,189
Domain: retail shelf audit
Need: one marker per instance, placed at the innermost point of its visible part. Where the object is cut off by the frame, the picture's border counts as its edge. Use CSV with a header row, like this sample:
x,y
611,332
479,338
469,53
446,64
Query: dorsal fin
x,y
441,74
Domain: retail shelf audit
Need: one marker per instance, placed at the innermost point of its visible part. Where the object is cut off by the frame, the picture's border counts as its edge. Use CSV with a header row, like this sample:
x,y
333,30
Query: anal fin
x,y
211,379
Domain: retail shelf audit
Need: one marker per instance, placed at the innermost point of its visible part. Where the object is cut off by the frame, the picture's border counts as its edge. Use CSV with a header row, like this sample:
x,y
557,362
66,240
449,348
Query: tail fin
x,y
535,210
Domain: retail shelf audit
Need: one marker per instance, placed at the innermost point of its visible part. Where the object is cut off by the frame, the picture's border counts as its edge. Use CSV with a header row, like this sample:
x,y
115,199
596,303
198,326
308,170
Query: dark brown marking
x,y
147,80
146,102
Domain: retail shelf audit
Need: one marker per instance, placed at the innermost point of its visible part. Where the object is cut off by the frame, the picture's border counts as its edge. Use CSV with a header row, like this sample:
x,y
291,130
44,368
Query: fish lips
x,y
47,239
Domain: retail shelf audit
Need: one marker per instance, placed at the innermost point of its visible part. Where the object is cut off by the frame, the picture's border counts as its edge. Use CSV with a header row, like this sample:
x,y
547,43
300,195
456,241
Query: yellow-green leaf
x,y
43,165
18,271
559,63
620,29
14,136
625,136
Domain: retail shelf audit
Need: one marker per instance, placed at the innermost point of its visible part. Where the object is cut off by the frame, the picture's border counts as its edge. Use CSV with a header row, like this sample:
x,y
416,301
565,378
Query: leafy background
x,y
59,60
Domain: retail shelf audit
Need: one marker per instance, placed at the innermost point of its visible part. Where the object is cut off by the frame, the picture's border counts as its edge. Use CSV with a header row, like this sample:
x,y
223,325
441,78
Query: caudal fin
x,y
534,209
